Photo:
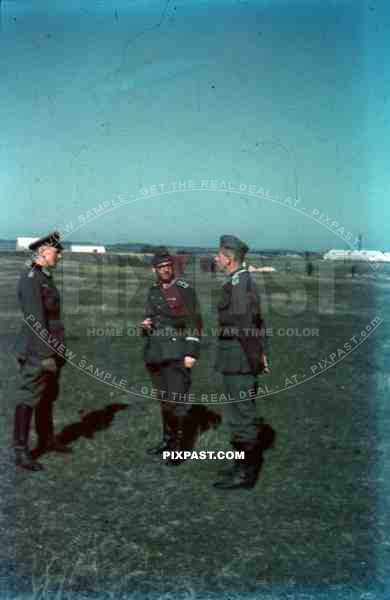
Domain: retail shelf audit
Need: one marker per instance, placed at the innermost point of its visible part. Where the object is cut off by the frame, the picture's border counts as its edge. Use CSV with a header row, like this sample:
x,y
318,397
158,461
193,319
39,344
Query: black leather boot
x,y
182,429
231,469
23,458
44,425
166,439
245,472
52,445
266,439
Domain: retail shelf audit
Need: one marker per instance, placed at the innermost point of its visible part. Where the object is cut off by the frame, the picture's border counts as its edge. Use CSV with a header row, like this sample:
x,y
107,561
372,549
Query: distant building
x,y
89,249
355,255
22,243
336,254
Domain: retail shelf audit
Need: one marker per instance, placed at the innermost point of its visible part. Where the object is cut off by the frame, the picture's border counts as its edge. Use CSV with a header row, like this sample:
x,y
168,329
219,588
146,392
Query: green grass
x,y
107,518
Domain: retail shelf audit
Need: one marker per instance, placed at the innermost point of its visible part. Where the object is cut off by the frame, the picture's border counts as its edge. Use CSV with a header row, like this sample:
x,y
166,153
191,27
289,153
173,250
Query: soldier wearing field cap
x,y
241,357
172,325
39,363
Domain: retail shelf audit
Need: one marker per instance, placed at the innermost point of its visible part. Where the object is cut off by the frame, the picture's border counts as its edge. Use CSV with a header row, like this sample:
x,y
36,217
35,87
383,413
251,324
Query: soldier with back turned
x,y
241,357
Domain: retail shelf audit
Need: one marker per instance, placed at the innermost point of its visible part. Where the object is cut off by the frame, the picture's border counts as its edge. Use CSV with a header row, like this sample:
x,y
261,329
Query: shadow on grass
x,y
205,418
91,423
266,435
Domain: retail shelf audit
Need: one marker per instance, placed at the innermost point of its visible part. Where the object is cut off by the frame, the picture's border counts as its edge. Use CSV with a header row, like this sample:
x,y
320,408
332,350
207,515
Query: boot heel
x,y
245,473
181,438
166,439
23,458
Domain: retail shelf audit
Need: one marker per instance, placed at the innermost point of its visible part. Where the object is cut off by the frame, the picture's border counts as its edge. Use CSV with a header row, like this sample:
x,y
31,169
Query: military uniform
x,y
175,333
39,300
241,357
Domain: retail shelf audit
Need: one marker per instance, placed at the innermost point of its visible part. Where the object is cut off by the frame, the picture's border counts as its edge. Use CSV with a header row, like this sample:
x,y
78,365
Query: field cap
x,y
161,257
231,242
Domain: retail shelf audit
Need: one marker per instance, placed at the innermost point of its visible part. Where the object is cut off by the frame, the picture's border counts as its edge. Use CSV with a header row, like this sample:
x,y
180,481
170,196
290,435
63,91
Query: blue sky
x,y
99,101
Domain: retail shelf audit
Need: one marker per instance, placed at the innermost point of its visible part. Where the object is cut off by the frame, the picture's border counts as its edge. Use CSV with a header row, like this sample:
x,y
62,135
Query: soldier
x,y
240,358
39,363
172,324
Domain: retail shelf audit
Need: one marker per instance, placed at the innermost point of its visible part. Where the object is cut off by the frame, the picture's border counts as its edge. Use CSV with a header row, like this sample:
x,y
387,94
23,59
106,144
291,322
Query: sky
x,y
100,101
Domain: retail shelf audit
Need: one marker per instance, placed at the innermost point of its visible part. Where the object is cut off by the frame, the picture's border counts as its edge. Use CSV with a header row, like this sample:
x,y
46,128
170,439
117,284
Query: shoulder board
x,y
31,274
236,276
182,283
236,279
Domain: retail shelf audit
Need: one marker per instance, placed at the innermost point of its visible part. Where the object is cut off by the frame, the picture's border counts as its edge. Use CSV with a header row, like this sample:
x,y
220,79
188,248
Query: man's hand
x,y
266,368
189,362
147,324
50,365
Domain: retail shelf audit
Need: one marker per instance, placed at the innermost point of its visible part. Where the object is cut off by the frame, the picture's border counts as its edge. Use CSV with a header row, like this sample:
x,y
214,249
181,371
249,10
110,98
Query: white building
x,y
22,243
336,254
366,255
89,249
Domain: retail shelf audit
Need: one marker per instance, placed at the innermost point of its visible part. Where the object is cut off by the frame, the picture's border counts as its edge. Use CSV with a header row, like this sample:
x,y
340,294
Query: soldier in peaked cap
x,y
39,363
241,357
52,240
172,325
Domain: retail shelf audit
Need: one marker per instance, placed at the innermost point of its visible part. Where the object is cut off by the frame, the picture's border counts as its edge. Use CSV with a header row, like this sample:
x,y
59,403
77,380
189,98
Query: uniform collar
x,y
166,286
237,271
44,270
229,276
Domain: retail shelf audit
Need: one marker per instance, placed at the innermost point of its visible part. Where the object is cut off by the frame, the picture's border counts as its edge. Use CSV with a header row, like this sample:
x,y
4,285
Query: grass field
x,y
108,519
